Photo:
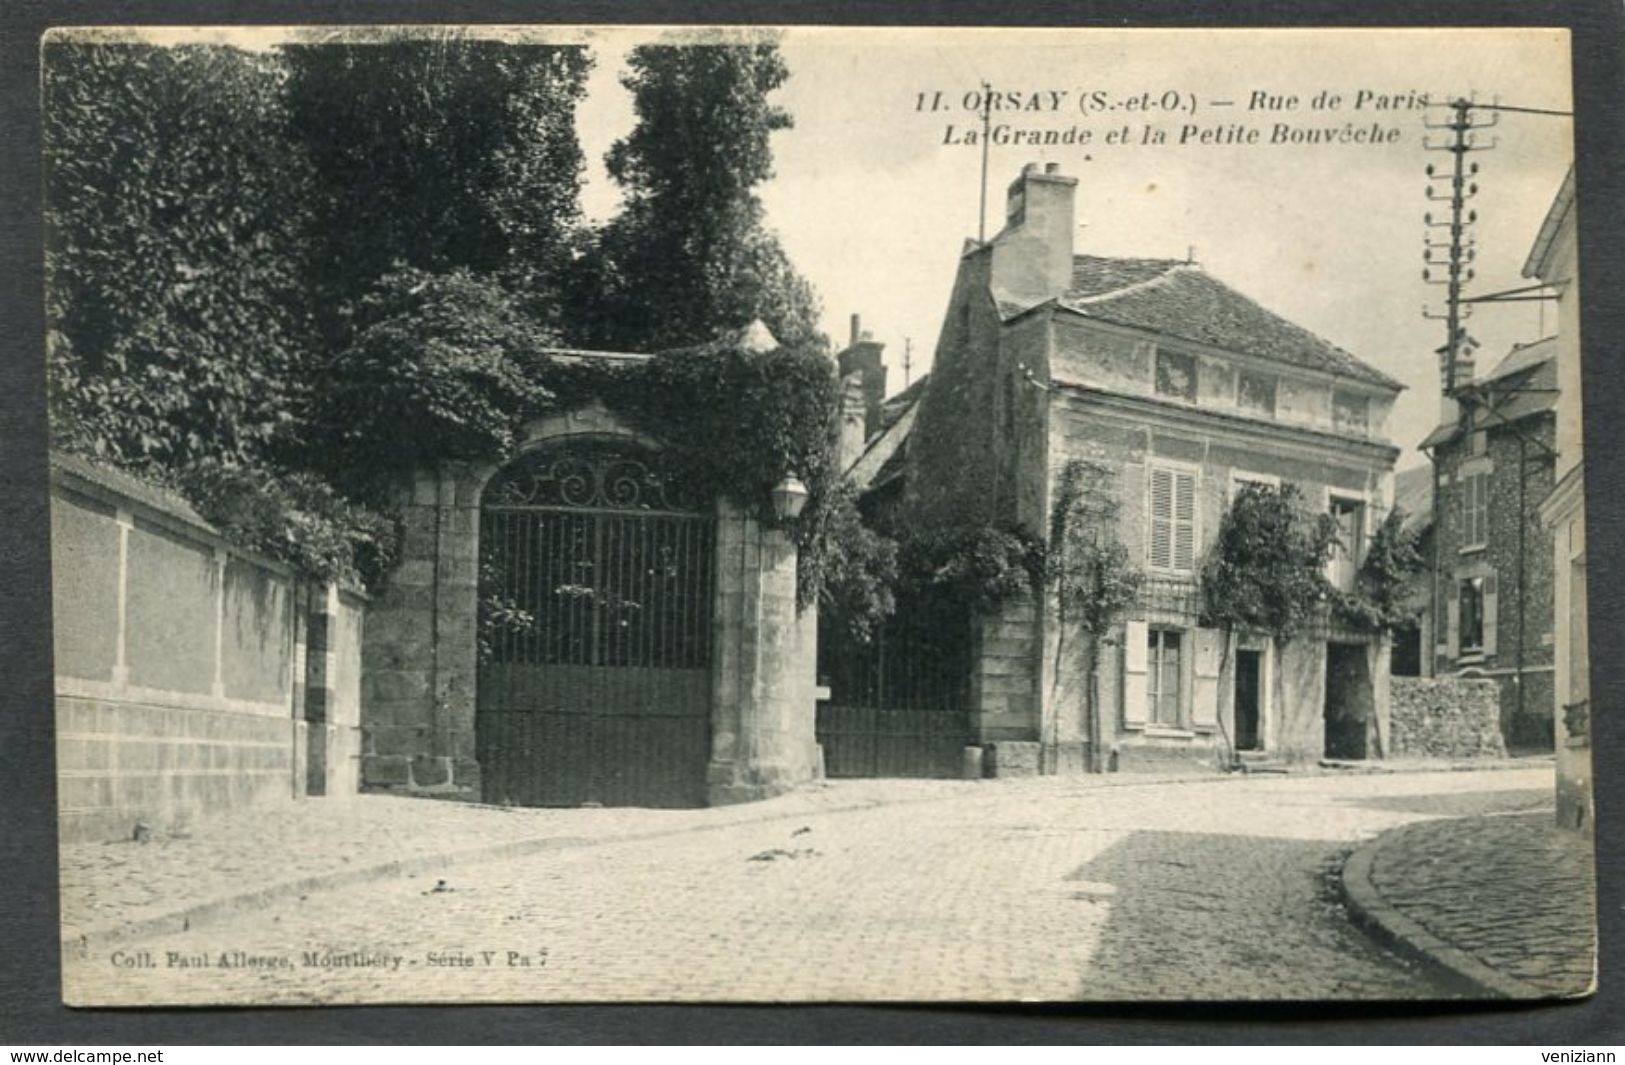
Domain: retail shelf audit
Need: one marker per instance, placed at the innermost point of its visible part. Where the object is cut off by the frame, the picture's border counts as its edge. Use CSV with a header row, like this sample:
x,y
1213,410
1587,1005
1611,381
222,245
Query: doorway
x,y
1349,702
1249,700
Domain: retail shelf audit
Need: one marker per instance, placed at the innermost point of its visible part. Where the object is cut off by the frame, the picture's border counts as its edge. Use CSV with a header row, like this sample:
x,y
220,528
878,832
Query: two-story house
x,y
1184,389
1492,587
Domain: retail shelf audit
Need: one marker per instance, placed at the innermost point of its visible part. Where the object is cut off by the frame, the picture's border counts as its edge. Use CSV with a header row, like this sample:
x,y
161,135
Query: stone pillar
x,y
1007,673
419,657
763,740
319,669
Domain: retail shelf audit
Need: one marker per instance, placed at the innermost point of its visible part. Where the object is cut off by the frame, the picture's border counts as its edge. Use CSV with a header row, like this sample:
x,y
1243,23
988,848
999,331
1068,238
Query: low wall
x,y
180,664
1446,717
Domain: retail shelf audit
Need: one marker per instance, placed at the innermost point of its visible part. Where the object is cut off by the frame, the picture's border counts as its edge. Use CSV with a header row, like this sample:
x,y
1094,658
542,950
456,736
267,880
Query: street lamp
x,y
789,496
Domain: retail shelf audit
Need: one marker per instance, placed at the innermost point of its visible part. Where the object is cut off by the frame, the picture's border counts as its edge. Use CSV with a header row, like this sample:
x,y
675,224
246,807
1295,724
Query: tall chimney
x,y
863,361
1032,255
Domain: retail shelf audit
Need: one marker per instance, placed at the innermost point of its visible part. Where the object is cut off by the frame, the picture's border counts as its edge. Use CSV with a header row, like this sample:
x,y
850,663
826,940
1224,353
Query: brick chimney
x,y
862,358
1032,254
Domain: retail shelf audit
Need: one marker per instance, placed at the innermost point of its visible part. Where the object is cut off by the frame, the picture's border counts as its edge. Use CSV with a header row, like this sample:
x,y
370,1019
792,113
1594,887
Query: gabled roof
x,y
1521,385
1180,300
884,455
1562,206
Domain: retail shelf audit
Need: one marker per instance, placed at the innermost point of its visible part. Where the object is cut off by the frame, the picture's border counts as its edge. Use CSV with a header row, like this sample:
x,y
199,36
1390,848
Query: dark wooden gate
x,y
596,579
897,705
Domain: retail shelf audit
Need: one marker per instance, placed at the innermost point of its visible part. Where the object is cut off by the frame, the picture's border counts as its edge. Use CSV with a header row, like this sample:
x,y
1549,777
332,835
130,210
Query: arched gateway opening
x,y
597,573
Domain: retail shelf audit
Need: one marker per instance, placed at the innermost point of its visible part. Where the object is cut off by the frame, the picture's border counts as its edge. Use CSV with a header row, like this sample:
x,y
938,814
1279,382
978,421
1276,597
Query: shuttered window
x,y
1172,536
1475,509
1470,636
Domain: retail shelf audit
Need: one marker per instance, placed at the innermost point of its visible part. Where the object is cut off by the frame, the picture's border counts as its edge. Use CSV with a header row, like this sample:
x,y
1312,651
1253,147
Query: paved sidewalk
x,y
1506,901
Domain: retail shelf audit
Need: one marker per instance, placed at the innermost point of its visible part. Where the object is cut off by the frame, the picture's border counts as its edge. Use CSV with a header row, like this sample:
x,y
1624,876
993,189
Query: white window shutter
x,y
1491,610
1452,611
1205,688
1159,554
1184,521
1135,691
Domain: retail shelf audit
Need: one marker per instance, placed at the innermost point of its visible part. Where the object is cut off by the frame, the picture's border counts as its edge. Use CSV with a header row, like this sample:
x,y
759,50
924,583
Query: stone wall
x,y
180,662
1445,717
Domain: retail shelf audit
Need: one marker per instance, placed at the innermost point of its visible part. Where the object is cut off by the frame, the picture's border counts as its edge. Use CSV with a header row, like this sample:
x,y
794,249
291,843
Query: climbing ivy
x,y
1382,588
1266,571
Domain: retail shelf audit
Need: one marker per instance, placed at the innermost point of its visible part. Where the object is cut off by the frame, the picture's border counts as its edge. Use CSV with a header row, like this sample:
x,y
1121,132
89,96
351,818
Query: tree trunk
x,y
1097,729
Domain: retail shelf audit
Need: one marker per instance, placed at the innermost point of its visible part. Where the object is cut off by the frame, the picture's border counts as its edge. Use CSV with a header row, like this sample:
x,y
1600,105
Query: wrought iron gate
x,y
596,577
897,705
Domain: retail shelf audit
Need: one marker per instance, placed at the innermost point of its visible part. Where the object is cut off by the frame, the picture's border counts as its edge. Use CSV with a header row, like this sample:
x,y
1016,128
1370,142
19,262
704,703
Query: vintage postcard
x,y
548,514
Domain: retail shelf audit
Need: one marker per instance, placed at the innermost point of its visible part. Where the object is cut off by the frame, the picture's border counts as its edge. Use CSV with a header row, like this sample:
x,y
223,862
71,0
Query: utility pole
x,y
908,363
987,117
1457,251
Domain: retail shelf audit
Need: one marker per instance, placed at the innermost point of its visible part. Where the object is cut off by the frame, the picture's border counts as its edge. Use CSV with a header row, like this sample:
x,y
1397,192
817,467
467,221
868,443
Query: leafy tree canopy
x,y
1266,571
1095,578
689,256
1381,599
438,151
437,371
175,223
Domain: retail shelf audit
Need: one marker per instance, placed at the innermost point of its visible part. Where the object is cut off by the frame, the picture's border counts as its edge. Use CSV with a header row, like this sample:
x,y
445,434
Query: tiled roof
x,y
1093,275
1521,385
1180,300
896,406
1522,357
885,453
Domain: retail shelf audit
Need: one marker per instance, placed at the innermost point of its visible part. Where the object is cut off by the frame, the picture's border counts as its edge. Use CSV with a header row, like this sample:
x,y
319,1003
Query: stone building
x,y
1491,589
578,626
1184,389
1553,260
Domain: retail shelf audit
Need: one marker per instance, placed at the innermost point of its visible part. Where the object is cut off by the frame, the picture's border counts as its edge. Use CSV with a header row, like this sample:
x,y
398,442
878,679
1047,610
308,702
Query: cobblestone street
x,y
1020,890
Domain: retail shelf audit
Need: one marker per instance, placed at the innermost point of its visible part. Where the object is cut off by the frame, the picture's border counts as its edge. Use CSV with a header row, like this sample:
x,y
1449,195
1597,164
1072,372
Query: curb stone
x,y
1373,913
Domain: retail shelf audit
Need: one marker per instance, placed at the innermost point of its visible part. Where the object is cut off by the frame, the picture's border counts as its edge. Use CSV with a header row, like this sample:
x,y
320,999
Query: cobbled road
x,y
1023,890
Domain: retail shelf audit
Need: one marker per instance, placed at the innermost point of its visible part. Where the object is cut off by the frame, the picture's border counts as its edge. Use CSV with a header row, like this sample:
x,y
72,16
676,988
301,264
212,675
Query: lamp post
x,y
789,497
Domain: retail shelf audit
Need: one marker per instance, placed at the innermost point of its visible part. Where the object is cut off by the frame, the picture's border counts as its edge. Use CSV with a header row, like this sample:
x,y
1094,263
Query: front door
x,y
595,635
1249,690
1348,701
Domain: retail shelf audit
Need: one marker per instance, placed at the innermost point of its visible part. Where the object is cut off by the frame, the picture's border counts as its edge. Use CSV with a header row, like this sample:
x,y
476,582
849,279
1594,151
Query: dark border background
x,y
30,1007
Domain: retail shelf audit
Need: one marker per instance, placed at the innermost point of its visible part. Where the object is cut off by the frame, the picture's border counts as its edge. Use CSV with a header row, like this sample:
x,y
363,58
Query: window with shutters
x,y
1475,510
1171,538
1470,599
1163,674
1344,566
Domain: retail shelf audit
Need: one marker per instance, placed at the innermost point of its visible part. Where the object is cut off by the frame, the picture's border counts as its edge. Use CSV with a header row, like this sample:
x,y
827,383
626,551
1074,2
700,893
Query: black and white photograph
x,y
807,514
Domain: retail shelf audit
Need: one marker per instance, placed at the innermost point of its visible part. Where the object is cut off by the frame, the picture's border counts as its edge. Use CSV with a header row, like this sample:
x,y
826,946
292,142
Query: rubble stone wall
x,y
1446,717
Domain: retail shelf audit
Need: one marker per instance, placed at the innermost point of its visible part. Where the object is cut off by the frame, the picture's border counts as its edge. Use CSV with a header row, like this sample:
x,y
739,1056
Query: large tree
x,y
174,227
437,151
690,255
